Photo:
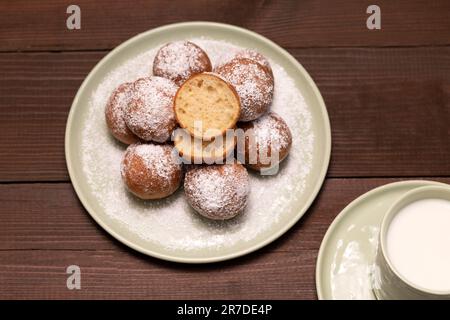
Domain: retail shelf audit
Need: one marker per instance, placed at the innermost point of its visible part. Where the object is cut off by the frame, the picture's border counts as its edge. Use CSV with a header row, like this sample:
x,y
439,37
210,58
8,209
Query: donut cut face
x,y
206,106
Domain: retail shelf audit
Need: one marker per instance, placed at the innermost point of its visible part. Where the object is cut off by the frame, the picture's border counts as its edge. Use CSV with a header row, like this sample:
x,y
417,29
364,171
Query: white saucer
x,y
348,249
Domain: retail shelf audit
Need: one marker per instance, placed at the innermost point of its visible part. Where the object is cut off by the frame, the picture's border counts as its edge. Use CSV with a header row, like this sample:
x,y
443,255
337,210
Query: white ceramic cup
x,y
389,283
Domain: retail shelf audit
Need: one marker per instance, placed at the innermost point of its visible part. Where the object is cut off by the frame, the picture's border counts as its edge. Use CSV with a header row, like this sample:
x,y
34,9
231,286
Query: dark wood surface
x,y
40,25
387,94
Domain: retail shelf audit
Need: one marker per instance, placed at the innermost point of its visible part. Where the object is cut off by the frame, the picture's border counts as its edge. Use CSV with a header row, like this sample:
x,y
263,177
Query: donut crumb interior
x,y
206,106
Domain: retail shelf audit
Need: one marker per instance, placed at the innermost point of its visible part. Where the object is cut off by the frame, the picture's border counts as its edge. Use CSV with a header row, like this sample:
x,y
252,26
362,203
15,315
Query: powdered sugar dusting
x,y
179,60
253,84
218,192
270,130
256,56
150,112
117,102
154,157
171,222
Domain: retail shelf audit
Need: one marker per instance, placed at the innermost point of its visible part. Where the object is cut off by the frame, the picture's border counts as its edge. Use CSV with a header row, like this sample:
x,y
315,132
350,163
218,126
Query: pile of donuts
x,y
158,117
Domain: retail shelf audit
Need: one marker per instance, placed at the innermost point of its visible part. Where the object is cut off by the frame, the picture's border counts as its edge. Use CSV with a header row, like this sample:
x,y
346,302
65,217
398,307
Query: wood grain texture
x,y
36,92
50,230
389,110
41,25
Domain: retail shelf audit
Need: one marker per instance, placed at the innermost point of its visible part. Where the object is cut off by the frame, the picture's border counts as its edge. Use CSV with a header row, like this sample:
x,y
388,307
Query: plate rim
x,y
344,212
238,253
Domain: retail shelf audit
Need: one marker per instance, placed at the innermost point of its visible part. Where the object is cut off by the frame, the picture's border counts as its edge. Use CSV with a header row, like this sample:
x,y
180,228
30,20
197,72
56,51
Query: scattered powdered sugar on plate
x,y
171,222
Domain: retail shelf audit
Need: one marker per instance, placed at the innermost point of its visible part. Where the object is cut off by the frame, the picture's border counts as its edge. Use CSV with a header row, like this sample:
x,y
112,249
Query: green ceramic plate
x,y
150,39
347,252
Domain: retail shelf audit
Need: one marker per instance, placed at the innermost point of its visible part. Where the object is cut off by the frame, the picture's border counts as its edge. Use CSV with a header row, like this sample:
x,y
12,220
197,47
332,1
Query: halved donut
x,y
206,105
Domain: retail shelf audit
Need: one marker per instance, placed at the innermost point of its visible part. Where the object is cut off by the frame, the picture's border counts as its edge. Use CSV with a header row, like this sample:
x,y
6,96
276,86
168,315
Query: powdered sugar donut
x,y
267,142
149,114
255,56
252,82
114,113
151,171
217,192
179,60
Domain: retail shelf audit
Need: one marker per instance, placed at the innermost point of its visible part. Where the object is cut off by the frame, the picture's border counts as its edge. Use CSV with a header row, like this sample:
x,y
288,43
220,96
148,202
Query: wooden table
x,y
387,93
